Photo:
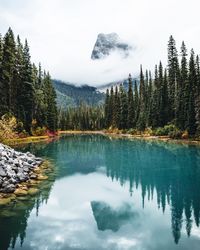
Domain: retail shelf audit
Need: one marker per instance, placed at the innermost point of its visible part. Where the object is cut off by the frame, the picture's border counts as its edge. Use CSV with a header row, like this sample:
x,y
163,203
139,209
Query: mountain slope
x,y
70,95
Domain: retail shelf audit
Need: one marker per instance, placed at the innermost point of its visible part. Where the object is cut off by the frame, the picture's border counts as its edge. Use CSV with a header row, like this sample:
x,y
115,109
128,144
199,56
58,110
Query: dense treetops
x,y
25,90
172,97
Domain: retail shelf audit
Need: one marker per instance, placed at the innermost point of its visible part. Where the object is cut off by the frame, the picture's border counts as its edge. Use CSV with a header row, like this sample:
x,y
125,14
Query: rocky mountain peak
x,y
107,43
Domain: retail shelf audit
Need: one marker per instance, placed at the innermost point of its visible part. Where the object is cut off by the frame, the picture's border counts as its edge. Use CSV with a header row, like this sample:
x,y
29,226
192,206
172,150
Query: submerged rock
x,y
16,167
20,192
4,201
33,191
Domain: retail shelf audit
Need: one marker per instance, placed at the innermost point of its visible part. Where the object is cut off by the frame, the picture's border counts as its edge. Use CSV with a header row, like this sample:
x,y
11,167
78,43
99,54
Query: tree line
x,y
171,97
26,91
83,117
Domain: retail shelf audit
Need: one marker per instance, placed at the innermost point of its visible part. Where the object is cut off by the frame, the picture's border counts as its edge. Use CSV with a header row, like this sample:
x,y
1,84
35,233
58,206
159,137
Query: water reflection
x,y
108,218
87,209
14,217
173,171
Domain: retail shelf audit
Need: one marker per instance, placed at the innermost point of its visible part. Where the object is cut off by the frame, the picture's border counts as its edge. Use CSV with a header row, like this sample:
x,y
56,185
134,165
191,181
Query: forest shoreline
x,y
191,141
37,139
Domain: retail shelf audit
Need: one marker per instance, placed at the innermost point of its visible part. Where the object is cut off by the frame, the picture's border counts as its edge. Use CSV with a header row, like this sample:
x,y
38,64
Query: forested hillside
x,y
71,95
26,91
170,101
166,102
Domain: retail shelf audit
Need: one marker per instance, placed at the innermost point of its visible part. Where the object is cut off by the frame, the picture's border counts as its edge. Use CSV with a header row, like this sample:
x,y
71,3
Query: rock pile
x,y
16,167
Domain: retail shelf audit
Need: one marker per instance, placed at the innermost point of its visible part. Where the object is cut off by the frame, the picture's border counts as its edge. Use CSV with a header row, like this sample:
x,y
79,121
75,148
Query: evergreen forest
x,y
26,91
165,102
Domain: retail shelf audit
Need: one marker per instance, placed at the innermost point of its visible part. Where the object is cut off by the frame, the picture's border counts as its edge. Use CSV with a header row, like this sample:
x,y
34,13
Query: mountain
x,y
107,43
102,88
69,94
72,95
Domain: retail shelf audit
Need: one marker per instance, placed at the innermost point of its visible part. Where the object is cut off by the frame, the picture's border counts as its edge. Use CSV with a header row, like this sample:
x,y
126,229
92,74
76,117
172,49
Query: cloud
x,y
62,33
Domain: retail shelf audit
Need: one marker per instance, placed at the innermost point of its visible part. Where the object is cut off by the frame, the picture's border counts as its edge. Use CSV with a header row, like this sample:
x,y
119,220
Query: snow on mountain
x,y
107,43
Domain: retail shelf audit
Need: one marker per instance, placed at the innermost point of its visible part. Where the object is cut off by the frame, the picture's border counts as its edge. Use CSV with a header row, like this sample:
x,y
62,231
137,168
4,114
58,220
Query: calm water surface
x,y
109,194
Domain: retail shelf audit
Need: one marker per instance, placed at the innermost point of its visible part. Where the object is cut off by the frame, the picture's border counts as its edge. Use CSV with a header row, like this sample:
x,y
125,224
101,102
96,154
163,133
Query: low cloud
x,y
62,33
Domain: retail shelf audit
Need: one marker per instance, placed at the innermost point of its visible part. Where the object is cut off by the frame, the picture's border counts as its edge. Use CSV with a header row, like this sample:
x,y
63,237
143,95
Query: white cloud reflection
x,y
72,225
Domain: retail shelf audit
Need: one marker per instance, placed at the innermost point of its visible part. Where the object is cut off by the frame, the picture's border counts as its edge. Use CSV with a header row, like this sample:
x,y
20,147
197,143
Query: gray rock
x,y
33,176
107,43
10,188
2,172
15,167
22,177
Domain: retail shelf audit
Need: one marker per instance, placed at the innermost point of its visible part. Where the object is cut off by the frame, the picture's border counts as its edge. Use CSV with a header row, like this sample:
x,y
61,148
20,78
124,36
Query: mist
x,y
62,33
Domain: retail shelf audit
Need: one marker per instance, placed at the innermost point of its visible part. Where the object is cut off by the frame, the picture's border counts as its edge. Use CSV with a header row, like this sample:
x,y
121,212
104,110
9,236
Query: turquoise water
x,y
109,194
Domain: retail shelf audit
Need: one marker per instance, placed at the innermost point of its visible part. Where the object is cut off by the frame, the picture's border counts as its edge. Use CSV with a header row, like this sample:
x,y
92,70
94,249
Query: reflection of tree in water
x,y
172,170
14,217
72,153
169,170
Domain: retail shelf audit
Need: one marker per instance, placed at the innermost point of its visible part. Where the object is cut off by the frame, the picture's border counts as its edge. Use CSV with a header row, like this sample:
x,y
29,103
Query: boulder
x,y
16,167
2,172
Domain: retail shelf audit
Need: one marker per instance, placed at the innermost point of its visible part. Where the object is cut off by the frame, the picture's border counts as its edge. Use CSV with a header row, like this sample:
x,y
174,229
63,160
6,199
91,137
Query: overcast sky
x,y
62,33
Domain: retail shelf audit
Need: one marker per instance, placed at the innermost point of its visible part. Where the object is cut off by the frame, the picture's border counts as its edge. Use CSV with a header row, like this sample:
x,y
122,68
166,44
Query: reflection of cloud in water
x,y
67,221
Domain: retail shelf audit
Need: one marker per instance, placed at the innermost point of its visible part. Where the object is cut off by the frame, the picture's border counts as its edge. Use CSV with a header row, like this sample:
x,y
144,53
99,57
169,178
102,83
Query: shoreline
x,y
191,141
18,171
37,139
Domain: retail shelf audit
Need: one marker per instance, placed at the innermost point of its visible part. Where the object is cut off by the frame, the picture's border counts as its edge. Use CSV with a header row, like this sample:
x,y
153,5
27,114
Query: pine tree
x,y
162,97
191,121
22,91
107,109
173,68
165,99
1,51
26,95
131,111
141,123
40,100
111,105
18,72
183,95
116,111
7,72
51,104
150,100
2,98
123,108
155,101
136,102
197,98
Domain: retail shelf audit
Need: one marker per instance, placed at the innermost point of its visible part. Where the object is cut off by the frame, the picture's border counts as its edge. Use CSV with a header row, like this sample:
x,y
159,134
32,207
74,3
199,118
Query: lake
x,y
109,193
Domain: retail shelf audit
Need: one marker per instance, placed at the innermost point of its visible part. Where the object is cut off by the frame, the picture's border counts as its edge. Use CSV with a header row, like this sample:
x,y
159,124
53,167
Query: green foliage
x,y
123,108
39,131
131,111
71,95
168,130
8,124
25,91
172,97
133,131
83,117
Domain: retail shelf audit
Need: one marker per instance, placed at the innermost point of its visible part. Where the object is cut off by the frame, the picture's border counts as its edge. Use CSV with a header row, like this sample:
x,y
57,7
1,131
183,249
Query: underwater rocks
x,y
16,167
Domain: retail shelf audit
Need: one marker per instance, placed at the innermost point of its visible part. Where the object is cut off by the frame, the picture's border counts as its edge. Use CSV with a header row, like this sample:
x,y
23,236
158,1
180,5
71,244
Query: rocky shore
x,y
16,168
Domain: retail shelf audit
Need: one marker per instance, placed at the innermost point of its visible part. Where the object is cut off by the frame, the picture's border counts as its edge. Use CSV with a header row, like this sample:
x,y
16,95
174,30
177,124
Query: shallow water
x,y
109,194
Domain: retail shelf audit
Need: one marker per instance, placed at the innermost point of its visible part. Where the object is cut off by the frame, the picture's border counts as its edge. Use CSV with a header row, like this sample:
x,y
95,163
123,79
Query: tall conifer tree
x,y
7,72
173,68
131,111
